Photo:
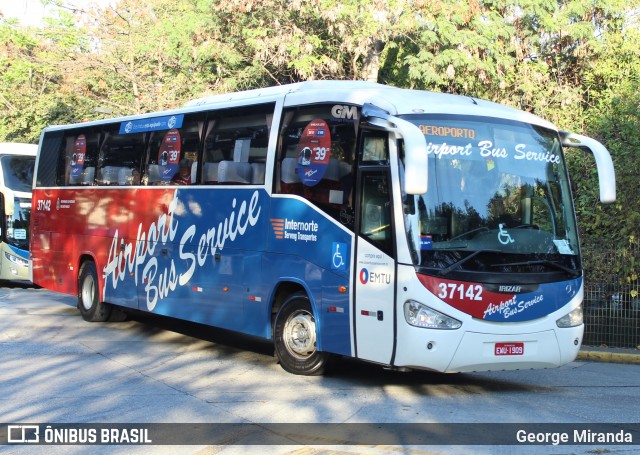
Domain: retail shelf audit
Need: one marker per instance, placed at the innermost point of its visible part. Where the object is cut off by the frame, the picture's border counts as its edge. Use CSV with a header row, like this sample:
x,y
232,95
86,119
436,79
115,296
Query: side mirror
x,y
415,172
604,164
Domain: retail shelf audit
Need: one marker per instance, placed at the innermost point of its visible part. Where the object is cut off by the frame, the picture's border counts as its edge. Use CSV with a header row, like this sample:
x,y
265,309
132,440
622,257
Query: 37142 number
x,y
44,205
461,291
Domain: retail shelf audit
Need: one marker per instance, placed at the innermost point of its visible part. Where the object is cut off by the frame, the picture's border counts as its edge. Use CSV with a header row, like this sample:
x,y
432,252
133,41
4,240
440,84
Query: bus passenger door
x,y
374,316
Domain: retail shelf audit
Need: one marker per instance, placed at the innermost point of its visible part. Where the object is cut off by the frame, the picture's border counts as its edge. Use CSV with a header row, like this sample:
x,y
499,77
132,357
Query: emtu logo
x,y
364,276
278,227
375,278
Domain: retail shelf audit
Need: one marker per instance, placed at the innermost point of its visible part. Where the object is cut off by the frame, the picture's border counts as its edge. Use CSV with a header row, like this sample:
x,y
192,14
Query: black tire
x,y
90,307
295,338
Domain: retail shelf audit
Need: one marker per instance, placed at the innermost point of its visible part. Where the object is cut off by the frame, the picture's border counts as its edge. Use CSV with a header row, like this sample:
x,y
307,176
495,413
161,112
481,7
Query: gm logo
x,y
347,112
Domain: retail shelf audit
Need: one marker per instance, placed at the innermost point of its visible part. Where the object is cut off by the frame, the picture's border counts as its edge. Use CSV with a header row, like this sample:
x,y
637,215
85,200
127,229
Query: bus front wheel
x,y
295,338
91,308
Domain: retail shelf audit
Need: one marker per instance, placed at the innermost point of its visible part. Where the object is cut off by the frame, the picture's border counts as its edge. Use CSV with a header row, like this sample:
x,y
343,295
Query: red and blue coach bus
x,y
16,179
406,228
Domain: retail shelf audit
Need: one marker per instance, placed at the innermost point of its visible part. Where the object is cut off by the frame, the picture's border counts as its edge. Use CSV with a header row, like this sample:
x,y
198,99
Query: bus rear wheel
x,y
90,307
295,338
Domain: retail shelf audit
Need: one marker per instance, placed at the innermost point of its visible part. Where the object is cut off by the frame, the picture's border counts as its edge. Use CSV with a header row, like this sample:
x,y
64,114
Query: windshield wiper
x,y
557,265
459,262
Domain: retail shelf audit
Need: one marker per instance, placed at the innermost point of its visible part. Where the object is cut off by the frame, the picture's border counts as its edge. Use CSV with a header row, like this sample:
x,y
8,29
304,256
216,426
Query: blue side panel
x,y
301,230
312,249
197,257
280,268
216,257
549,297
335,328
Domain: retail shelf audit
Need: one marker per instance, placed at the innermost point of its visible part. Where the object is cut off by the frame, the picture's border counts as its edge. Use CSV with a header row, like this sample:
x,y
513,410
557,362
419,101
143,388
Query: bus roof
x,y
15,148
394,100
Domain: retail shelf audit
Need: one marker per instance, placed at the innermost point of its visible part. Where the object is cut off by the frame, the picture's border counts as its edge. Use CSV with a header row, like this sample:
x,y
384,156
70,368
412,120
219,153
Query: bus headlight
x,y
571,319
420,315
16,260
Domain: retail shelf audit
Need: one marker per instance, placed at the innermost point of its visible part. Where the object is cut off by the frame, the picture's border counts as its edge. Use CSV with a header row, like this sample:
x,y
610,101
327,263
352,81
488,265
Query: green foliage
x,y
611,84
613,93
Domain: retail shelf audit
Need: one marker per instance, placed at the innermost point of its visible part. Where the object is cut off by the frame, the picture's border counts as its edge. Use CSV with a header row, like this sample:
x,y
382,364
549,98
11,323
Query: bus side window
x,y
81,154
190,133
290,182
119,154
235,146
375,150
375,220
170,149
257,173
316,156
152,174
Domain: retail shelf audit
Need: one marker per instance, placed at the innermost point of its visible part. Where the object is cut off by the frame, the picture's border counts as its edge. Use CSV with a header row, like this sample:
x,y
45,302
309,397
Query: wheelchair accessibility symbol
x,y
338,256
503,236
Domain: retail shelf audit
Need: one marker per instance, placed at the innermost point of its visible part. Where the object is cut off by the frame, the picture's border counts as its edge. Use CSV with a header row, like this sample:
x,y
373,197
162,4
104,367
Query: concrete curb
x,y
609,357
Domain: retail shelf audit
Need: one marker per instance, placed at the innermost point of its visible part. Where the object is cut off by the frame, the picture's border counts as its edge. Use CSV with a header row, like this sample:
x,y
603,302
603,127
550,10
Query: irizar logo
x,y
510,289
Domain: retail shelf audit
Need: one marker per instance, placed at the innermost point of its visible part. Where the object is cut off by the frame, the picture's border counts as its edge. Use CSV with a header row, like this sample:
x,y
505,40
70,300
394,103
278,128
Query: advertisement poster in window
x,y
169,154
77,158
313,152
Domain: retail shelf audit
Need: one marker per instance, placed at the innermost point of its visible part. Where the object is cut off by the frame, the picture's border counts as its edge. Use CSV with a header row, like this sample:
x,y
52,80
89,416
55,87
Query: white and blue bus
x,y
16,179
336,218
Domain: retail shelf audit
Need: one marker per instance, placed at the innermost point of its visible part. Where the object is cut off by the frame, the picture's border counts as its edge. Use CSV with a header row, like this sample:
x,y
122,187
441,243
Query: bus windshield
x,y
17,231
18,172
498,201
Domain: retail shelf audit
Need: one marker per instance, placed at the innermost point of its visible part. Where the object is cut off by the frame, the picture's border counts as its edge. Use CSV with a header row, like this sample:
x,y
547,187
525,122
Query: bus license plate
x,y
509,349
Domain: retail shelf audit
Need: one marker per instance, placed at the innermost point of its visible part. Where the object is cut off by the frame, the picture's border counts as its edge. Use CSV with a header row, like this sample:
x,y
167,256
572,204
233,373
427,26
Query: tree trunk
x,y
371,64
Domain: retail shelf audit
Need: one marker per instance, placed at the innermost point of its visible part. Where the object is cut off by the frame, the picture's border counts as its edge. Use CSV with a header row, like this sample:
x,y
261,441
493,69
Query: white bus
x,y
336,218
16,179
